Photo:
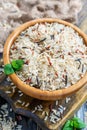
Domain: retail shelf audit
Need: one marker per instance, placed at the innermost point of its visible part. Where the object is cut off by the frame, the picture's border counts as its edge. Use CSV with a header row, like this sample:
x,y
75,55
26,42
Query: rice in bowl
x,y
54,55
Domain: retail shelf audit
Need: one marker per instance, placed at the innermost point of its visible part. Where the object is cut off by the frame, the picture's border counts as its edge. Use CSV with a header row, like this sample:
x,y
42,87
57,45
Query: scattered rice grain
x,y
7,92
67,99
27,105
57,102
46,117
21,94
23,104
19,101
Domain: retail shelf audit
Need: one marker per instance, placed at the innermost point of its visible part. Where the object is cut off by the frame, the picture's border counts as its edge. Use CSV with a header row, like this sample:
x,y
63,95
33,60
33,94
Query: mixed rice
x,y
54,55
6,121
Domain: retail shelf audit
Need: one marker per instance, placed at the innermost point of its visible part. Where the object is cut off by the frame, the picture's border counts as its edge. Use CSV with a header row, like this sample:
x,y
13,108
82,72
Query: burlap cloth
x,y
15,12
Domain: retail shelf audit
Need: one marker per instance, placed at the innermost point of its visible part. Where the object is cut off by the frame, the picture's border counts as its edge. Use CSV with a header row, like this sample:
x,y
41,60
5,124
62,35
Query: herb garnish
x,y
17,64
14,66
73,124
8,69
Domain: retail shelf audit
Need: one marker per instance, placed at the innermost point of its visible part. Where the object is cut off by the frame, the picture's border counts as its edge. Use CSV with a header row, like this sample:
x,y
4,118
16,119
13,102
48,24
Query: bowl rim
x,y
32,91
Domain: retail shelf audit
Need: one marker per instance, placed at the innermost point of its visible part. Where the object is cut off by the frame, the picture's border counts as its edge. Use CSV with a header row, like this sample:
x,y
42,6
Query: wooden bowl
x,y
34,92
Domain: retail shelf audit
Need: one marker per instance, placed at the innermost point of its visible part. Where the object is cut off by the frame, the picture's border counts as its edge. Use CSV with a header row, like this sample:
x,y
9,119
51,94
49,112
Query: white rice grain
x,y
67,99
21,94
56,102
7,92
19,101
27,105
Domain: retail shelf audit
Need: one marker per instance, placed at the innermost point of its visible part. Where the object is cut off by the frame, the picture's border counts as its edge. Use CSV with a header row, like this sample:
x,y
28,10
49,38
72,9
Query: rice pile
x,y
54,55
6,122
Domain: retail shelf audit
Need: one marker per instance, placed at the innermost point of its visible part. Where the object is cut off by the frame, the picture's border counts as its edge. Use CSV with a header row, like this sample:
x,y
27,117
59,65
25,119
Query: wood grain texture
x,y
34,92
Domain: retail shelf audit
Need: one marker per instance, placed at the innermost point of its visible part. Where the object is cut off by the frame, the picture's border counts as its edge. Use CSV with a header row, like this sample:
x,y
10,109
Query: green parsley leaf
x,y
71,123
8,69
77,123
67,126
17,64
74,123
